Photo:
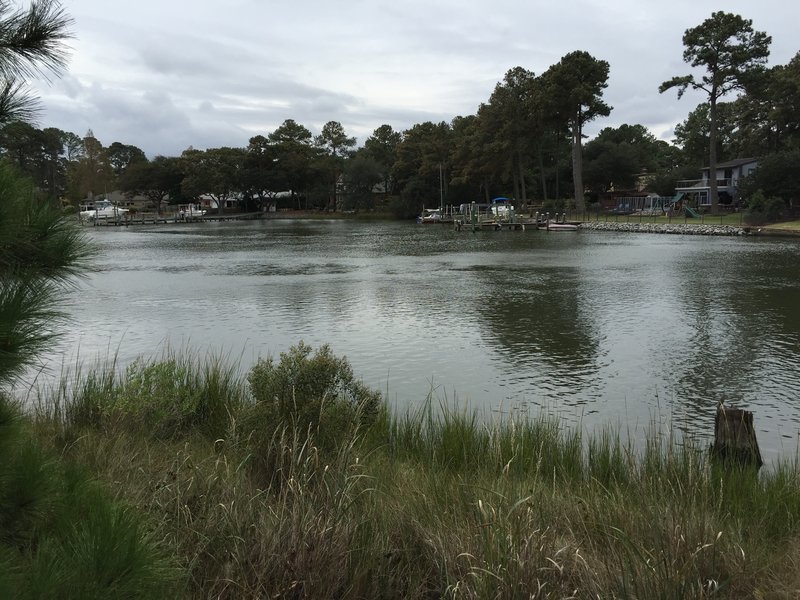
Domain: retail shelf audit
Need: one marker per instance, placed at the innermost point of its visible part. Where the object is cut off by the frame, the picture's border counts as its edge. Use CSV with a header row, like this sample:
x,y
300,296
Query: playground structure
x,y
656,205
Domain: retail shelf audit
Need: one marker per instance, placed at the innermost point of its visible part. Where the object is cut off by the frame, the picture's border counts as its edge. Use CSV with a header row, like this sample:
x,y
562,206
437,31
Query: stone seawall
x,y
673,228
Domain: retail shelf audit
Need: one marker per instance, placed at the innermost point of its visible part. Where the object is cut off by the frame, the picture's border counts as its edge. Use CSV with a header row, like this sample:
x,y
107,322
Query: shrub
x,y
761,209
307,393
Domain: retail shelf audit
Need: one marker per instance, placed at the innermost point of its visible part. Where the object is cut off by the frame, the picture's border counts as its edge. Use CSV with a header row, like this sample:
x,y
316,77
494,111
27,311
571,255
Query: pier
x,y
515,223
128,219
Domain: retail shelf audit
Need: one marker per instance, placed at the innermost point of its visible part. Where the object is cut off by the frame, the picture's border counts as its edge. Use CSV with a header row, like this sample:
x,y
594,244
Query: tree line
x,y
525,141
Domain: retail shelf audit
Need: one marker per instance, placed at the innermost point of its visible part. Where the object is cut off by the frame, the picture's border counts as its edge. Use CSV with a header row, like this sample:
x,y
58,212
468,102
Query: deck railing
x,y
702,184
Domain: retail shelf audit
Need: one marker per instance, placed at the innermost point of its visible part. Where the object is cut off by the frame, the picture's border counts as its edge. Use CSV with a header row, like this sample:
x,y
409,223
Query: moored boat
x,y
561,227
103,209
430,215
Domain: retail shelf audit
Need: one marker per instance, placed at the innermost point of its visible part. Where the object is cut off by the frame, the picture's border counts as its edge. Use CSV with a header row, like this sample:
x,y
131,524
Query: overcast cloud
x,y
167,74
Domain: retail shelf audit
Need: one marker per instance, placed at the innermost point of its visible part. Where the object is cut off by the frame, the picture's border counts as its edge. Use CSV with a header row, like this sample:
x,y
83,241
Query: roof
x,y
733,163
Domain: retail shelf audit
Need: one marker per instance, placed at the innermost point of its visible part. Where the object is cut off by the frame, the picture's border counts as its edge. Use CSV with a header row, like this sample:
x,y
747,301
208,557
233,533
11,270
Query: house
x,y
209,202
728,175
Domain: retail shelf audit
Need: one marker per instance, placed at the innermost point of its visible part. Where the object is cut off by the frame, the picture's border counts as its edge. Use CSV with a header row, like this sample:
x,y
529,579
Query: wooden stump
x,y
735,438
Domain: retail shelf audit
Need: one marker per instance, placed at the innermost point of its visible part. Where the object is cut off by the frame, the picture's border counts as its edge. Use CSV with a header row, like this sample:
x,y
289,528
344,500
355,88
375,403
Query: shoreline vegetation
x,y
178,477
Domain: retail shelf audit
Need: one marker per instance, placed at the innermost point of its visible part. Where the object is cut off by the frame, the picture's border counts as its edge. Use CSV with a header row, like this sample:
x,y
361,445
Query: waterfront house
x,y
728,175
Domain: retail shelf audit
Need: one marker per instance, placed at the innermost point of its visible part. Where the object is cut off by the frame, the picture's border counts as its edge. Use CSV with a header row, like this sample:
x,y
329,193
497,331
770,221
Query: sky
x,y
165,75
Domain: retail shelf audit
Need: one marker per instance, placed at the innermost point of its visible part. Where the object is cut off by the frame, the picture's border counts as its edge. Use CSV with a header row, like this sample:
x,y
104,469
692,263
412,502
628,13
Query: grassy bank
x,y
297,482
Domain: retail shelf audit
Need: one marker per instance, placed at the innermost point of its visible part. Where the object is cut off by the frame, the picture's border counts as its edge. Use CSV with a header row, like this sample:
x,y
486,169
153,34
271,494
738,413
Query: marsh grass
x,y
438,502
175,394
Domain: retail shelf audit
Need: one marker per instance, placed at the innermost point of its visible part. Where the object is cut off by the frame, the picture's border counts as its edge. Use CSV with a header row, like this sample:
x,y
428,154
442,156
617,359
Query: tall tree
x,y
32,41
508,125
336,145
361,174
294,154
730,50
262,176
216,172
693,134
159,179
470,171
575,88
381,147
422,163
91,174
619,155
121,156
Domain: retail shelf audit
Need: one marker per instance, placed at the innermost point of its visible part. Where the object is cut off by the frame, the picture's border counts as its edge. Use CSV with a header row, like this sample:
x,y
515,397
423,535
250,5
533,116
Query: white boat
x,y
561,227
190,211
430,215
103,209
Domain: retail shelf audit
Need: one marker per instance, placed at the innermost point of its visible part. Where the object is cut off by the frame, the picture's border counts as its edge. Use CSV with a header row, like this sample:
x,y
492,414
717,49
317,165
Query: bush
x,y
761,209
307,393
554,206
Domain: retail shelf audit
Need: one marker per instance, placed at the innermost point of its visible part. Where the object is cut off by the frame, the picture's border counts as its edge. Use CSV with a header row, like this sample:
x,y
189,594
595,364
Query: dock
x,y
127,219
516,223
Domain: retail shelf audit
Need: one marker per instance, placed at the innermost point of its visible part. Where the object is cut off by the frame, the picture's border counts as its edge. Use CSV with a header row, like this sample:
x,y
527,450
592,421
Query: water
x,y
598,328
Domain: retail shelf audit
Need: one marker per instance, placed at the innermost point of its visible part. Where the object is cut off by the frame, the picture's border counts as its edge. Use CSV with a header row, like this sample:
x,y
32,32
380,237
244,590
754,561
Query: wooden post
x,y
735,438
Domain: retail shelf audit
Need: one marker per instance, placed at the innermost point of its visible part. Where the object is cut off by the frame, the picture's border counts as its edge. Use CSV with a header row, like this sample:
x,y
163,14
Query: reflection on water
x,y
598,327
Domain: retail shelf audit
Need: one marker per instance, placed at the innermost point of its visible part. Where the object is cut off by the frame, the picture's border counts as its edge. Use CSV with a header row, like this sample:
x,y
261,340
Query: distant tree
x,y
361,174
295,154
158,180
776,176
767,115
336,145
574,88
381,147
422,158
121,156
783,88
470,172
36,153
32,41
617,156
91,174
73,145
54,173
262,176
666,180
21,144
730,51
694,135
216,172
509,128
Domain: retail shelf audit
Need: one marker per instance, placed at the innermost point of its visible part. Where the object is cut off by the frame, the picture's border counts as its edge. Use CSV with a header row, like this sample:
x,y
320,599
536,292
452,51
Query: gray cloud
x,y
166,75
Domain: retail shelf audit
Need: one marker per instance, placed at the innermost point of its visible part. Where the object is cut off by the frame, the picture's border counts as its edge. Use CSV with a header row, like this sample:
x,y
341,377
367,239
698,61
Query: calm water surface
x,y
599,328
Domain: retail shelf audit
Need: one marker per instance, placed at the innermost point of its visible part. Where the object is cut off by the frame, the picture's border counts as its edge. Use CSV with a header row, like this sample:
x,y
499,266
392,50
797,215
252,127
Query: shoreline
x,y
667,228
689,229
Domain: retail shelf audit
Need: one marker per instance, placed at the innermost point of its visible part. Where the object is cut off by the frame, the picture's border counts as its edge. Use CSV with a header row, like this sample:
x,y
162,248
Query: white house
x,y
728,175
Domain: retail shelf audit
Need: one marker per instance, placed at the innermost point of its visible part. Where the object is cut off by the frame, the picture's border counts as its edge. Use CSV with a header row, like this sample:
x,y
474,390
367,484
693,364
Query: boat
x,y
430,215
103,209
561,227
501,208
190,211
